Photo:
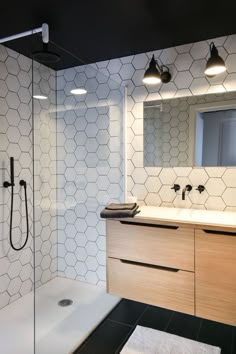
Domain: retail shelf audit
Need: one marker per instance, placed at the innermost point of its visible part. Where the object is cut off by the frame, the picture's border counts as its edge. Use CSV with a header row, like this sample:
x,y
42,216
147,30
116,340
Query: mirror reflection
x,y
190,131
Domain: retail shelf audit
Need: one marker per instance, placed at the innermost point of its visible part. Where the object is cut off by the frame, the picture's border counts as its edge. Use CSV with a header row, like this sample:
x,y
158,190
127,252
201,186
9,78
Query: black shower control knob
x,y
200,188
176,187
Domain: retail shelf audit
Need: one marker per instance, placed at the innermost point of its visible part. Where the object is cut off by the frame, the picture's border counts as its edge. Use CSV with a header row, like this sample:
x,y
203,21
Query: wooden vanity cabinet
x,y
215,254
185,268
151,263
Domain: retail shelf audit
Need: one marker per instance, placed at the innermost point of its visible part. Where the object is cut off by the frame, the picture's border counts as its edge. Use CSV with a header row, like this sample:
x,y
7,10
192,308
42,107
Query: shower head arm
x,y
44,29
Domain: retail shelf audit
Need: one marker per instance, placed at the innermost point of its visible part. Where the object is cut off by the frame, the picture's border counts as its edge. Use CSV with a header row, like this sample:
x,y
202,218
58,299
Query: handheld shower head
x,y
12,170
11,184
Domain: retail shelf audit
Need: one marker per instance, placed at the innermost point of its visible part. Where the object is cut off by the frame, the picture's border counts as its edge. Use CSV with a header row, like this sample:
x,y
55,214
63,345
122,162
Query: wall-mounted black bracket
x,y
22,183
7,184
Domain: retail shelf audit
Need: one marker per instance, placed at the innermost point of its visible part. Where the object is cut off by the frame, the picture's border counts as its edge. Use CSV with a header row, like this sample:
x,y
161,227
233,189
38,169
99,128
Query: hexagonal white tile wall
x,y
87,172
95,133
16,140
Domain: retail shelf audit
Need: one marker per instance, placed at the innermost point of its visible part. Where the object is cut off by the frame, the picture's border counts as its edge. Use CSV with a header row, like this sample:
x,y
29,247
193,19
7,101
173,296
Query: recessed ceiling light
x,y
40,97
78,91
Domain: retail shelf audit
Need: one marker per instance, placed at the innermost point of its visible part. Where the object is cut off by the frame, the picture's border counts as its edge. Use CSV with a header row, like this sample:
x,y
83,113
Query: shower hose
x,y
22,183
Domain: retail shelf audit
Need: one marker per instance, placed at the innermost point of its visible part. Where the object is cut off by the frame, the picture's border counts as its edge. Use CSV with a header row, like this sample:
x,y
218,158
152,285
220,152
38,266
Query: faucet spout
x,y
183,193
187,188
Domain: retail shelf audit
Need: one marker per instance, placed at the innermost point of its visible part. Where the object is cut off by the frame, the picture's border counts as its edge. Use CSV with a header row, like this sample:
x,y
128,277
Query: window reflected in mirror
x,y
215,143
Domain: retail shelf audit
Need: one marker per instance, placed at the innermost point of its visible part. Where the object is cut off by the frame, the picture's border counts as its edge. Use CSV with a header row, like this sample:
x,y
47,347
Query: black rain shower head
x,y
45,56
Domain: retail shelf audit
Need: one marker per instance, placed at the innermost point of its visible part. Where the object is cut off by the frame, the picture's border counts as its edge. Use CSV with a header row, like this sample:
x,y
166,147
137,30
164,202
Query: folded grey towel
x,y
118,214
124,206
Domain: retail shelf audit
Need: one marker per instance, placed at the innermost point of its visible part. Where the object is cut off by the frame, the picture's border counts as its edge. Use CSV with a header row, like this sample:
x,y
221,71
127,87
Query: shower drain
x,y
65,302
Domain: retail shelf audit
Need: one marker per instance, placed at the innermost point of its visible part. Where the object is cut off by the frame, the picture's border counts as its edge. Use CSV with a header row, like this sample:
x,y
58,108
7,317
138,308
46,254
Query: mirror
x,y
190,131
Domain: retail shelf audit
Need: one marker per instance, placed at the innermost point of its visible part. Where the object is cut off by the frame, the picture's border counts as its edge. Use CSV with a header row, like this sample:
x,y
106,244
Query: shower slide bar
x,y
44,29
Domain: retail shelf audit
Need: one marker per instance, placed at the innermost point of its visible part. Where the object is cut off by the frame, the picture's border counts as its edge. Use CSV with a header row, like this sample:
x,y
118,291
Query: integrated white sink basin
x,y
193,216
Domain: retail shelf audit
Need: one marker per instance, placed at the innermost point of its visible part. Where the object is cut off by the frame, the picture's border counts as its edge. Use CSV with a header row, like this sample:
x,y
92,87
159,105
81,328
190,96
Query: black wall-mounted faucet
x,y
187,188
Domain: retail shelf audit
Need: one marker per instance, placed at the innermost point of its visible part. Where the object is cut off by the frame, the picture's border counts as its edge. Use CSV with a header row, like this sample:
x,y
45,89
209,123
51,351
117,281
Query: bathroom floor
x,y
111,335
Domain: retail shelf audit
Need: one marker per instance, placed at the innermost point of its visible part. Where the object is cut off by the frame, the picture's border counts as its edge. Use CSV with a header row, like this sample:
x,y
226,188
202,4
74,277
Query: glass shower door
x,y
78,169
45,224
16,217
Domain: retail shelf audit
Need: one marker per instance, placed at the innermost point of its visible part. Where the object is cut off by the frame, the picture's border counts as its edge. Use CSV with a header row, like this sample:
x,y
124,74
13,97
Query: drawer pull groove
x,y
217,232
171,227
149,265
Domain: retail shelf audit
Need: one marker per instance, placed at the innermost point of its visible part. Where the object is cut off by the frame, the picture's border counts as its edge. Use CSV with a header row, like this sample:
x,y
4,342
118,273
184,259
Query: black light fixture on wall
x,y
156,73
215,64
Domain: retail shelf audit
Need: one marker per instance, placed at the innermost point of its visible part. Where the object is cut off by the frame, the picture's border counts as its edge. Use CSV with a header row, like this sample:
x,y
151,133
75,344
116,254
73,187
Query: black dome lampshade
x,y
152,75
215,64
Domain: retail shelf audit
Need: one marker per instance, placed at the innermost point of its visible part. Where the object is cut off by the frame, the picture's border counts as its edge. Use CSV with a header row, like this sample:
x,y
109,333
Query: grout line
x,y
147,307
129,334
200,327
121,323
168,324
124,341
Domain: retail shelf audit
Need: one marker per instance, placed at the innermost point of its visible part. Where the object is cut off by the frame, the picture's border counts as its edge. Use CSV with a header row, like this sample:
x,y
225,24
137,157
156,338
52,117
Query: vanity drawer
x,y
216,275
160,287
154,244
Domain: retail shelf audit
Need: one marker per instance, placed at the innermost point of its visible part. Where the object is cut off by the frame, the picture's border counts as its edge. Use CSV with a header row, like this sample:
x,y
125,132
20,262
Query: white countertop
x,y
188,216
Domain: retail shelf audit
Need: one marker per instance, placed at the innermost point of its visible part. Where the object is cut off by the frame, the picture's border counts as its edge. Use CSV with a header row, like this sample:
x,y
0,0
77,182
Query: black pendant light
x,y
215,64
156,74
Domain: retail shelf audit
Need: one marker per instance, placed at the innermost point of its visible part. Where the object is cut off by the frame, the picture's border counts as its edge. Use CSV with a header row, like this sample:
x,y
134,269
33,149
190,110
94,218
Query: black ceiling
x,y
98,30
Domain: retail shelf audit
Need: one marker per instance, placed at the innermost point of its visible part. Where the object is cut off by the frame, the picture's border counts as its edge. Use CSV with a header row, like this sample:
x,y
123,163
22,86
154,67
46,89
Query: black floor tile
x,y
127,312
184,325
121,346
111,335
106,339
217,334
156,317
234,341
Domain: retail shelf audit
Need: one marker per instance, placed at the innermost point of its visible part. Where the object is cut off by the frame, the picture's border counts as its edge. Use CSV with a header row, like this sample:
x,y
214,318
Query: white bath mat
x,y
150,341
